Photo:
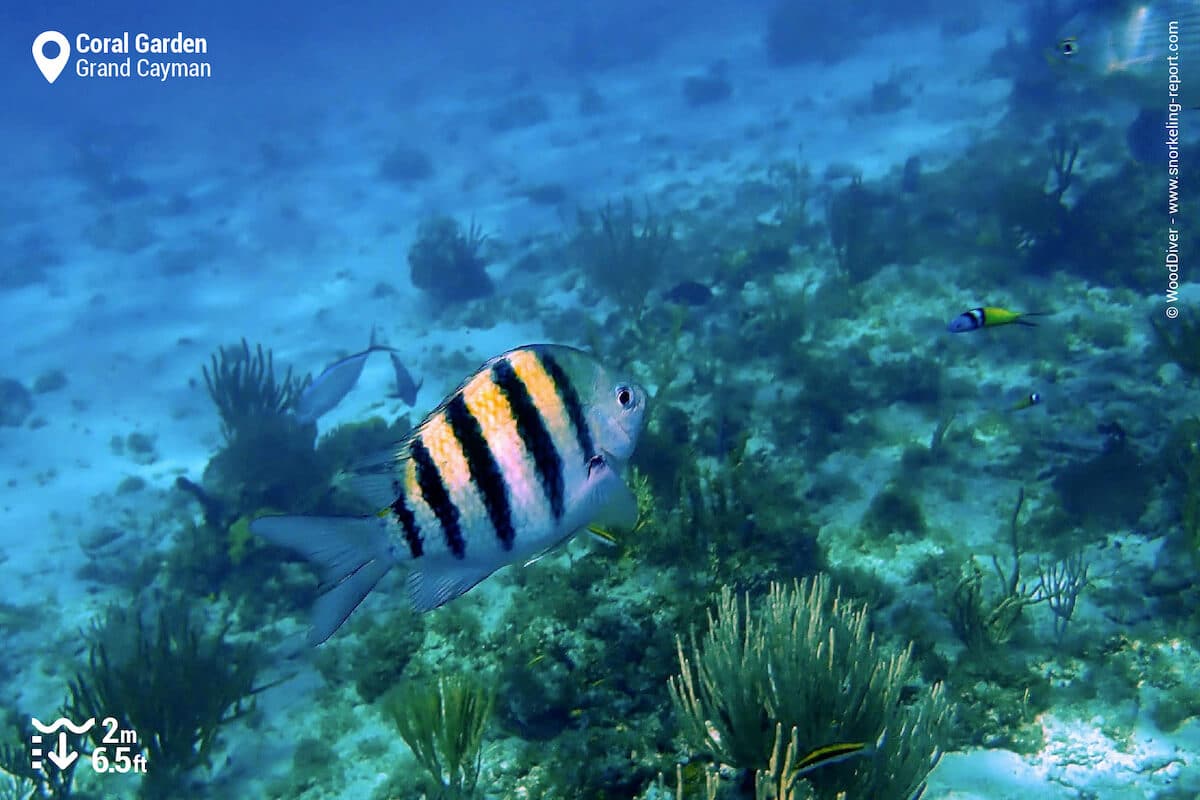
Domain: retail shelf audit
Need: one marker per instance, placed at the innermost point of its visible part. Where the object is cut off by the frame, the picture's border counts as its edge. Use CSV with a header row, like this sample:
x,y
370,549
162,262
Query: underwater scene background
x,y
908,289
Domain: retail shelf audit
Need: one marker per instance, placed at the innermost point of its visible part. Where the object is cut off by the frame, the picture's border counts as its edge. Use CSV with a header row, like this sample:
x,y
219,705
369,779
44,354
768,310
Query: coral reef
x,y
170,681
269,458
406,164
18,776
858,217
986,620
384,649
243,387
14,787
894,510
1181,459
1180,339
816,387
272,464
624,254
1111,486
444,725
448,262
802,667
49,381
16,402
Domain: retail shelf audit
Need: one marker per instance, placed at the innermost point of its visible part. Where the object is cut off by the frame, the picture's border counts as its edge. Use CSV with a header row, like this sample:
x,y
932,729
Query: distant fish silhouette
x,y
406,388
1029,401
333,384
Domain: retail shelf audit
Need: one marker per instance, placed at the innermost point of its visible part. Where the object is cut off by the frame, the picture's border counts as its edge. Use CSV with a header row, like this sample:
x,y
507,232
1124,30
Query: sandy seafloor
x,y
289,254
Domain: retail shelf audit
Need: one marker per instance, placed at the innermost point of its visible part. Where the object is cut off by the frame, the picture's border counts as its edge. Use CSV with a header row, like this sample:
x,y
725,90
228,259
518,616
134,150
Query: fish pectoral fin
x,y
374,478
434,582
351,555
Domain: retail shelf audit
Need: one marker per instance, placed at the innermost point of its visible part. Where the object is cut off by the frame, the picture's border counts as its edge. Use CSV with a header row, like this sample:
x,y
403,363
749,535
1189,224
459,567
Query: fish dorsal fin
x,y
435,582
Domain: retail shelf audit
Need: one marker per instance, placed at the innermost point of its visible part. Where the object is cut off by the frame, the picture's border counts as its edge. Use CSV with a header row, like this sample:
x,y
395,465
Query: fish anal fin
x,y
433,582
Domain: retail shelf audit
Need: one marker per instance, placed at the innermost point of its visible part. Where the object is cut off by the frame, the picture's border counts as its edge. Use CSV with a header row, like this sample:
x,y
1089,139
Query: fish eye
x,y
624,396
1068,47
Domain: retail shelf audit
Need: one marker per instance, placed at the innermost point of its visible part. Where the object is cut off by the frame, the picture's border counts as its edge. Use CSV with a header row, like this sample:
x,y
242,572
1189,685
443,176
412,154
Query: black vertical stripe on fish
x,y
485,472
433,490
412,534
570,401
533,432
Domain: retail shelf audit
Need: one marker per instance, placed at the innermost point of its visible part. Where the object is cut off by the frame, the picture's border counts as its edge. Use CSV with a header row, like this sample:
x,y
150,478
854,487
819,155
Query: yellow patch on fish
x,y
492,410
542,391
439,439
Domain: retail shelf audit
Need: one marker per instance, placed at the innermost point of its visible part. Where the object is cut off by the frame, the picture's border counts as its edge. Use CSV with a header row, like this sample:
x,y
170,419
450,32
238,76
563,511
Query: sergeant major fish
x,y
520,457
989,317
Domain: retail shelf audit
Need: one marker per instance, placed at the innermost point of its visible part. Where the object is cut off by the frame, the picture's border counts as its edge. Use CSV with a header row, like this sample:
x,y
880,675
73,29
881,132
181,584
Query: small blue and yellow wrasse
x,y
1029,401
990,317
523,455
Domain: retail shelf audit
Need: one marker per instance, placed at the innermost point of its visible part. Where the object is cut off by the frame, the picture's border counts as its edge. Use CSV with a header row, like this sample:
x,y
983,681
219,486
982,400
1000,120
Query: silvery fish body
x,y
333,384
328,389
521,456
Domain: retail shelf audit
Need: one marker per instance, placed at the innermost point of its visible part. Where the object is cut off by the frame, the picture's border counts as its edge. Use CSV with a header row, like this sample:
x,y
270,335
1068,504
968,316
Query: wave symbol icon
x,y
63,722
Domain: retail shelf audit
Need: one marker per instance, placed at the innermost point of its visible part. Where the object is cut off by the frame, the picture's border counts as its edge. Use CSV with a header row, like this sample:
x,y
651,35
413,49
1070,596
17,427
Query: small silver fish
x,y
406,388
519,458
333,384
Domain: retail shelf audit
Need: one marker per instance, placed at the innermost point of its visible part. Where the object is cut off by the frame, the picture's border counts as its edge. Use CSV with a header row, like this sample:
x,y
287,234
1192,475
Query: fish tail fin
x,y
351,555
1028,323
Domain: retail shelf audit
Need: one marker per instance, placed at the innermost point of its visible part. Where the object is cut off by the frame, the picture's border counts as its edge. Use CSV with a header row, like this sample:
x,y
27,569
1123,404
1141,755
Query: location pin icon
x,y
51,67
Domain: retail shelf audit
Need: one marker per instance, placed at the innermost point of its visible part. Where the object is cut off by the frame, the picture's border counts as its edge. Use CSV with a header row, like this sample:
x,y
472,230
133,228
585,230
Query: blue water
x,y
764,213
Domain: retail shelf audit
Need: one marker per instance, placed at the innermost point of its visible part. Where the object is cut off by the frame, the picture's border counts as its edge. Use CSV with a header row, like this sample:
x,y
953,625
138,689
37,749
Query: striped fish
x,y
990,317
520,457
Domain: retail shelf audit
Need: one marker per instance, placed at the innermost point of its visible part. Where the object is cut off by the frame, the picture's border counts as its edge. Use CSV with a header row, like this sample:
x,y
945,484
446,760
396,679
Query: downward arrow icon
x,y
62,757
